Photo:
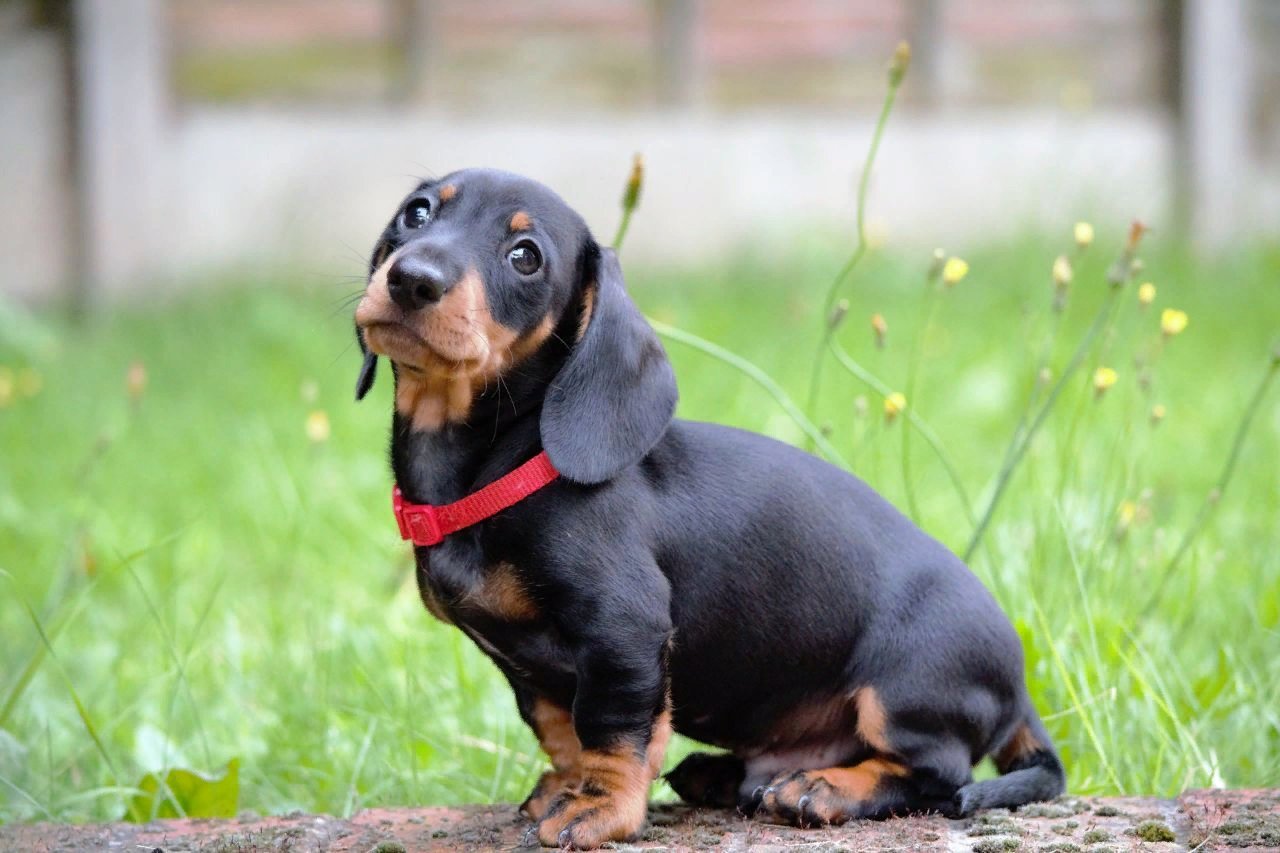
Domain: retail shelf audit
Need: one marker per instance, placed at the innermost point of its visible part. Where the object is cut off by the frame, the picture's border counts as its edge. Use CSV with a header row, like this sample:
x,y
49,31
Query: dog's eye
x,y
417,214
525,258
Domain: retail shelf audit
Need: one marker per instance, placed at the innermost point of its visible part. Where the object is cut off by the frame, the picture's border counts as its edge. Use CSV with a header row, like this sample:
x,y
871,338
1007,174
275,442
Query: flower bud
x,y
838,312
631,195
936,264
899,64
880,328
1061,272
135,381
1136,229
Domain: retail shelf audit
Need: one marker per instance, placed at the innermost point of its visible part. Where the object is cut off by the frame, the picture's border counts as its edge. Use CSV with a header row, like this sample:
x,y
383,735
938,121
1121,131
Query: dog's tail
x,y
1029,771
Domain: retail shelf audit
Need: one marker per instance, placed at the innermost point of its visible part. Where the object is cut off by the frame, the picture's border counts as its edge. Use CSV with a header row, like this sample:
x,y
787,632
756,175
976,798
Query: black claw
x,y
751,805
565,837
804,817
808,815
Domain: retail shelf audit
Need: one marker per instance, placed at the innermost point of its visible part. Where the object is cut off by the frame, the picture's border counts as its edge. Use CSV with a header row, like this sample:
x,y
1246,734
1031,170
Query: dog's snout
x,y
415,282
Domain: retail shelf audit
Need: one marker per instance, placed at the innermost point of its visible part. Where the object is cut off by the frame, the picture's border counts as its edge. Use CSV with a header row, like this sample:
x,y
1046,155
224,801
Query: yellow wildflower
x,y
1131,513
1061,271
1146,293
1172,322
894,405
954,270
1104,378
880,328
1083,234
1157,413
318,426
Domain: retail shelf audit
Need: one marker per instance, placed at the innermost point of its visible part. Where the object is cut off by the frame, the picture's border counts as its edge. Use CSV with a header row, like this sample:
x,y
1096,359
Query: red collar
x,y
426,525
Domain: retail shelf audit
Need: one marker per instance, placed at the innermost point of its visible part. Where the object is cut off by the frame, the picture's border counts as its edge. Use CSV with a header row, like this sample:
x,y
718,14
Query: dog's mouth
x,y
396,341
410,349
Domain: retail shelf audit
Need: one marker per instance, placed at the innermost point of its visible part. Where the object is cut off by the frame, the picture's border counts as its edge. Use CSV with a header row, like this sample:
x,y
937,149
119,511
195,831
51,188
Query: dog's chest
x,y
491,603
458,585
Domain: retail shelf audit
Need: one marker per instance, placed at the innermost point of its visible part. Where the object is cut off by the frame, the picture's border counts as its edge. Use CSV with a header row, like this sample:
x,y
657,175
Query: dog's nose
x,y
415,282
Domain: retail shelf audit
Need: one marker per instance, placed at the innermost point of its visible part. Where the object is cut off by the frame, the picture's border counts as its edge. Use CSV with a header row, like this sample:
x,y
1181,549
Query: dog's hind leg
x,y
875,788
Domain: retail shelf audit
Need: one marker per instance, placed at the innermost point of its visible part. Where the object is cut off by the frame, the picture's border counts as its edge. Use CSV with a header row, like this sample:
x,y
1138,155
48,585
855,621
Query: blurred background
x,y
199,570
148,139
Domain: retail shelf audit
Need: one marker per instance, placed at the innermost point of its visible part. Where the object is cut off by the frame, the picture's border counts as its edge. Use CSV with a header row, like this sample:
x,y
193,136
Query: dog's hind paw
x,y
706,779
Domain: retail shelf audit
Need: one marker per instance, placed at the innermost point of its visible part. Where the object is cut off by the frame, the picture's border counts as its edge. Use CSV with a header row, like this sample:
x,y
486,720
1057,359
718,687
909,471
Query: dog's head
x,y
481,270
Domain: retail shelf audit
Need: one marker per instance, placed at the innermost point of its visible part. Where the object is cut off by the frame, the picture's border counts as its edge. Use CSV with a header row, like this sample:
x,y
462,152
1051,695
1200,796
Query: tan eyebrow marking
x,y
447,192
521,221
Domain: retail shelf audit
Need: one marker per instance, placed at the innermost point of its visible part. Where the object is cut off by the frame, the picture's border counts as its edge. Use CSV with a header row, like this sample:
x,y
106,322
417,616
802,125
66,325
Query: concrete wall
x,y
34,195
168,190
230,187
321,186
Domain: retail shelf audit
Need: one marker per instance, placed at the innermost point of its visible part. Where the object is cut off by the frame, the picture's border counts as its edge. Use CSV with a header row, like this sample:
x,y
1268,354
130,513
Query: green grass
x,y
213,585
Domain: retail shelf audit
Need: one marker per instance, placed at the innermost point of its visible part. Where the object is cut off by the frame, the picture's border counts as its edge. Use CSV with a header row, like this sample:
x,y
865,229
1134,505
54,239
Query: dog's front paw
x,y
552,784
609,805
580,821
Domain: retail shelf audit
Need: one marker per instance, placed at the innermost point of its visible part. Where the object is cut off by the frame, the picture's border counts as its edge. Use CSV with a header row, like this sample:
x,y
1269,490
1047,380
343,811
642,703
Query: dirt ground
x,y
1198,820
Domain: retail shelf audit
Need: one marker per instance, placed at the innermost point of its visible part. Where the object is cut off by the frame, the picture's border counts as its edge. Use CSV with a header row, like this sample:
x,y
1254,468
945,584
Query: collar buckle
x,y
419,523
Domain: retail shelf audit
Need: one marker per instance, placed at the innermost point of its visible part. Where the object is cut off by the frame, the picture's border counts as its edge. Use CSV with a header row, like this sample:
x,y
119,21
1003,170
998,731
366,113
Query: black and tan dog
x,y
674,575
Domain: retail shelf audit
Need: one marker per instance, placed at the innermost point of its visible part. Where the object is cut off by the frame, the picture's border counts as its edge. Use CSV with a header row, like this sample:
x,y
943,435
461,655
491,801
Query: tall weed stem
x,y
897,72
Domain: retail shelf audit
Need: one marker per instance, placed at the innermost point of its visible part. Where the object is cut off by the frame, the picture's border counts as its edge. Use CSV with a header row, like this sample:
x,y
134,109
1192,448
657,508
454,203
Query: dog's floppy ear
x,y
368,370
615,395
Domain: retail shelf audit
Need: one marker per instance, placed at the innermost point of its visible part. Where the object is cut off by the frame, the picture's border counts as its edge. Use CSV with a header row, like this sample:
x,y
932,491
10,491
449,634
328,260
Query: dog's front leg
x,y
621,710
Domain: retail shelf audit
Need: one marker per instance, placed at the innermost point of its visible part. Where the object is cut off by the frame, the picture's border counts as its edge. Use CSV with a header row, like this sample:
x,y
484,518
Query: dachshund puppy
x,y
632,574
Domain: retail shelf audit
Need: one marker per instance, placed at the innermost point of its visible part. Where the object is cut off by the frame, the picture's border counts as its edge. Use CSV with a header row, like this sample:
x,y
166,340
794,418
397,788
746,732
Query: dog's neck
x,y
501,431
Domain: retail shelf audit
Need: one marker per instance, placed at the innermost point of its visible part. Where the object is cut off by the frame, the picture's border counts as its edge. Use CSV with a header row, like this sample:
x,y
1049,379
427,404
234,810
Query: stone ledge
x,y
1201,820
